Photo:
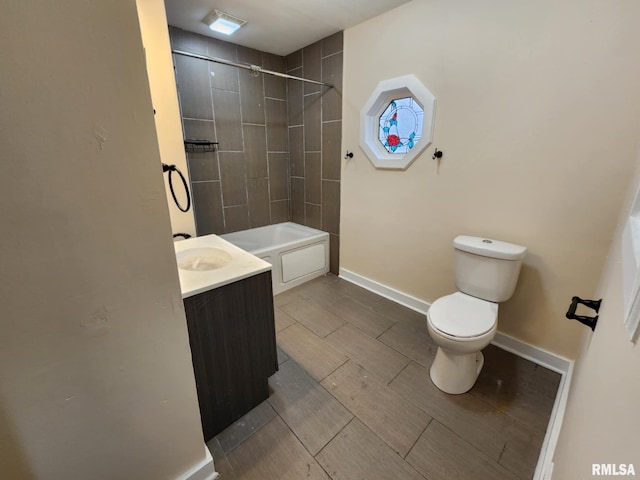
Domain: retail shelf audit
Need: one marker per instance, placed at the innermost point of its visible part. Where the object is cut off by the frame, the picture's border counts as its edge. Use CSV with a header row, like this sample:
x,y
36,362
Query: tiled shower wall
x,y
315,133
279,140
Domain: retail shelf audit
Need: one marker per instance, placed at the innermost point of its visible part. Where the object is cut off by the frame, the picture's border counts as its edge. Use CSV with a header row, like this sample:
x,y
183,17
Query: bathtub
x,y
296,253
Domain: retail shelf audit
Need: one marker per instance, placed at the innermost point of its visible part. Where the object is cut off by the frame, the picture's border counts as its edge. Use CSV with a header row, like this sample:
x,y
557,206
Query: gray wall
x,y
315,133
279,140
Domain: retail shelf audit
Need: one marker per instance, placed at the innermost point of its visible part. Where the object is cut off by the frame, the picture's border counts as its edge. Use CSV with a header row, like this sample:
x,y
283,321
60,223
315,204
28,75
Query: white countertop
x,y
242,265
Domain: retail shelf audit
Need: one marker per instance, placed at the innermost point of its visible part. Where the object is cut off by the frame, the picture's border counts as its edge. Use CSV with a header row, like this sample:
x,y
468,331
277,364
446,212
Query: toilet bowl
x,y
461,326
463,323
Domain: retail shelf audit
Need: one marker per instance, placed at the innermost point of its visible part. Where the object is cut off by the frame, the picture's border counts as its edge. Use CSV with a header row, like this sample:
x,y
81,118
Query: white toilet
x,y
465,322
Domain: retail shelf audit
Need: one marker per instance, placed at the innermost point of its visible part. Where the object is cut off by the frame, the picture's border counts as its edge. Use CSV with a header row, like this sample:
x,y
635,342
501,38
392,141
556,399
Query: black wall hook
x,y
437,154
349,154
590,322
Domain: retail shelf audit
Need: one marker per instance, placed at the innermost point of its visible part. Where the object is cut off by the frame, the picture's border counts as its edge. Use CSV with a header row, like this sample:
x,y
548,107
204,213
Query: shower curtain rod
x,y
254,68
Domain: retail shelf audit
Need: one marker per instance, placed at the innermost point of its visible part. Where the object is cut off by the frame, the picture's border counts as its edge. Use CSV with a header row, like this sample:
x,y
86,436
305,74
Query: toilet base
x,y
455,372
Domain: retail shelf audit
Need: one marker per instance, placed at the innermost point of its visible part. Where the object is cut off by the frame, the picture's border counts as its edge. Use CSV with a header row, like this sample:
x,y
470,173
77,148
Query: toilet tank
x,y
485,268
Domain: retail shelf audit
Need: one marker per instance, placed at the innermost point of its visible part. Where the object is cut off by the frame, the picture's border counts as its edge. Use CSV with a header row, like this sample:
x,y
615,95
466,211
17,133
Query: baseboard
x,y
537,355
204,470
397,296
560,365
532,353
544,468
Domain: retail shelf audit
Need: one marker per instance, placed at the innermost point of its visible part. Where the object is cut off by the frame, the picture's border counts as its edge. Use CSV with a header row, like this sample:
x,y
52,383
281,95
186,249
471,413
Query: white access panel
x,y
303,261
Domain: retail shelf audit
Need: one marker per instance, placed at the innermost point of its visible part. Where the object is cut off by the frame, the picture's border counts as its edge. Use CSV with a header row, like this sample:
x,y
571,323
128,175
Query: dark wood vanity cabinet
x,y
233,347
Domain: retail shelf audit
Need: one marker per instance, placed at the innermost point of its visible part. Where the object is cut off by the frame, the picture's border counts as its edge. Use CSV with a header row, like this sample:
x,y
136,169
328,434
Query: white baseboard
x,y
532,353
397,296
203,470
544,468
560,365
537,355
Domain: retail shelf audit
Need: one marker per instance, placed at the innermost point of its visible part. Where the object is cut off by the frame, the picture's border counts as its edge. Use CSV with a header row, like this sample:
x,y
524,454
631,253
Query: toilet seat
x,y
463,316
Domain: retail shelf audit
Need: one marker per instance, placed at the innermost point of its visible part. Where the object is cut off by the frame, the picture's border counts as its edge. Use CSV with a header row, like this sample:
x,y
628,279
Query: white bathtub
x,y
296,253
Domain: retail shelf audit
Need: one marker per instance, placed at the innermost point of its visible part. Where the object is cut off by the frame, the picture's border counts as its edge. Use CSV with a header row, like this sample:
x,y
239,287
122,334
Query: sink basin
x,y
203,259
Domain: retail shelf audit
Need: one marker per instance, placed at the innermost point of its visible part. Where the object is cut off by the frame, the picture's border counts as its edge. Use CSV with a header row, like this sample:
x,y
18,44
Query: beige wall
x,y
601,423
537,111
95,369
155,38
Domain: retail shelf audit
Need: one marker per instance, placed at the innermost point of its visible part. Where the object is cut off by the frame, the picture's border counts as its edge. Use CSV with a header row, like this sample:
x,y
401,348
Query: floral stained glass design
x,y
401,125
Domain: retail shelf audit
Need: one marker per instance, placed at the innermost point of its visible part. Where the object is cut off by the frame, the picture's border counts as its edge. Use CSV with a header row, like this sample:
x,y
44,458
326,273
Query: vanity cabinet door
x,y
233,348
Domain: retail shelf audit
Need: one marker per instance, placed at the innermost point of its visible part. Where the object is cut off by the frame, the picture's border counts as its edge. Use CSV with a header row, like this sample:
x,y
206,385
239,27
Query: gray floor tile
x,y
476,421
311,412
517,387
274,453
320,321
220,460
283,319
358,315
374,356
313,353
358,453
393,418
412,340
494,431
440,454
233,435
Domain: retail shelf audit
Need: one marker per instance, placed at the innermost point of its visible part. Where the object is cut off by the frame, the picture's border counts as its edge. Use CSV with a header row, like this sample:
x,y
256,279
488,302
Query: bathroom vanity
x,y
228,301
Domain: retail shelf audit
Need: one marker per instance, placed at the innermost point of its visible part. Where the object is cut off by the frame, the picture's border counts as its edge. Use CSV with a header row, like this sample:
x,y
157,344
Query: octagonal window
x,y
401,125
396,123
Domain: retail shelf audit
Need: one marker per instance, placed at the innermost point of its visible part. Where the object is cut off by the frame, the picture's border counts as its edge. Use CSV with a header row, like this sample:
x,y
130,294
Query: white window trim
x,y
384,93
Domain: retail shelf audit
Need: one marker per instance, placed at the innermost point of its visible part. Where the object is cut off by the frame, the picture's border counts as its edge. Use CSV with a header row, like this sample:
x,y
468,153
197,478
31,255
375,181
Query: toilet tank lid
x,y
487,247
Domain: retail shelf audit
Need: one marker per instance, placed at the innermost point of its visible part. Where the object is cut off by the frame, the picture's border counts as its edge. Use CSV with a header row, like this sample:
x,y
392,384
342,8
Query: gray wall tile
x,y
277,131
313,215
207,207
274,87
332,44
199,129
220,49
331,206
224,77
295,99
255,150
236,218
227,117
261,169
293,60
192,77
332,97
312,66
250,56
334,253
259,208
280,211
331,154
279,176
296,151
187,41
202,165
297,200
234,178
312,125
252,98
313,177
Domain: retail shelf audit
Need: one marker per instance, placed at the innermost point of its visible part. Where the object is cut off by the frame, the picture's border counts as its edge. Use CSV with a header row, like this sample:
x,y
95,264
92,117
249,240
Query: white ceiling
x,y
278,26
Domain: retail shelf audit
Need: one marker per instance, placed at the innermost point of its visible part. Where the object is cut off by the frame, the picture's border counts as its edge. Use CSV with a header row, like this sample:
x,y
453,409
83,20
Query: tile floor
x,y
353,400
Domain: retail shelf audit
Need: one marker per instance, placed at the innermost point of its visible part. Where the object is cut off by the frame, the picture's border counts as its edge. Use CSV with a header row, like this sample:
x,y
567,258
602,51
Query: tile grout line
x,y
412,447
301,442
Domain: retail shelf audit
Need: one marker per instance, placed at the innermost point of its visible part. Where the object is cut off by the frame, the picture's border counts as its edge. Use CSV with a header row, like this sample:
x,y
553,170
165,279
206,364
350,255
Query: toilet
x,y
463,323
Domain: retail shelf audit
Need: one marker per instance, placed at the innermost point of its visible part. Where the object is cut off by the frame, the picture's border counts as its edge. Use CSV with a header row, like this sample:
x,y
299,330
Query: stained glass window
x,y
401,125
